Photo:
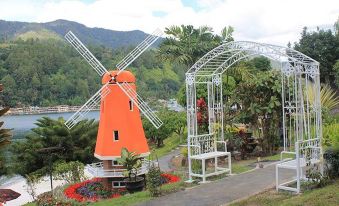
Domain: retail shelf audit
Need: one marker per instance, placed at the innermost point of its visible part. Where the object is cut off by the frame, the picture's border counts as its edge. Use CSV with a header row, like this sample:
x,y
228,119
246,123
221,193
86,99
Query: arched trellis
x,y
302,126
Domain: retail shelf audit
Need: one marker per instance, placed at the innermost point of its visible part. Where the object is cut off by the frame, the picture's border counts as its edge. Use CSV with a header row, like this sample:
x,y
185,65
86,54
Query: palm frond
x,y
328,96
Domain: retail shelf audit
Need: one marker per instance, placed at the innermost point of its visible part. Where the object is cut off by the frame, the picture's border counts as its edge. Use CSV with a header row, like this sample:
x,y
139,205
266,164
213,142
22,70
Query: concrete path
x,y
165,161
222,191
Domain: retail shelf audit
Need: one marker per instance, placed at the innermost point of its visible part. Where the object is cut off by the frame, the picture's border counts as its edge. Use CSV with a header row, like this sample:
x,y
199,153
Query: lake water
x,y
21,124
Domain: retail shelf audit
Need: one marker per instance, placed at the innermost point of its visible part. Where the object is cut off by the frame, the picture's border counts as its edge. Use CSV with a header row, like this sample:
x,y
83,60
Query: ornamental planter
x,y
133,185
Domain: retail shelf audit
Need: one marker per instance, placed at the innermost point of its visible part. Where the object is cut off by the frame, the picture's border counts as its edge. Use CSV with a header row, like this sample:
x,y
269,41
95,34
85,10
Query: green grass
x,y
276,157
326,196
30,204
240,168
244,165
170,143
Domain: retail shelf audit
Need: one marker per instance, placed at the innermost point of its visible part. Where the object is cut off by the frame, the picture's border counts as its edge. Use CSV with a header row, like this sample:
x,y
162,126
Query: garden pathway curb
x,y
222,191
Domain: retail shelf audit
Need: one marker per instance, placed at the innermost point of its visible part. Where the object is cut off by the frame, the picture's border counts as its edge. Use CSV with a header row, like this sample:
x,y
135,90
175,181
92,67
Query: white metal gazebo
x,y
302,126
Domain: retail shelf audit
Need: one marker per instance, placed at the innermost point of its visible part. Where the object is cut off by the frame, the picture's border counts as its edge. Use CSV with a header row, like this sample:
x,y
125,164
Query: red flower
x,y
171,178
116,195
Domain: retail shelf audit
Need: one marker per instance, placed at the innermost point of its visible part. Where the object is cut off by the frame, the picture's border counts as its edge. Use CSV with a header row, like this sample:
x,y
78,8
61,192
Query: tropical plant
x,y
187,44
131,162
328,97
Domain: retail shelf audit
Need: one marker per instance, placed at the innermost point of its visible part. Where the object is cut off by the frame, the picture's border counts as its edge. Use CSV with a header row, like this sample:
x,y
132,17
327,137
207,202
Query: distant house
x,y
62,108
173,105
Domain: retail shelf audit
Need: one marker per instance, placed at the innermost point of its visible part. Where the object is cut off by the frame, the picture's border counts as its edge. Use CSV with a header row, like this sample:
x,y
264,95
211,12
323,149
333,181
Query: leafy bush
x,y
196,166
153,179
71,172
331,156
331,135
317,179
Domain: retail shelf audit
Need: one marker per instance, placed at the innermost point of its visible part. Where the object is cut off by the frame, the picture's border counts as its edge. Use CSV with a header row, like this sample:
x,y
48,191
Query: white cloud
x,y
271,21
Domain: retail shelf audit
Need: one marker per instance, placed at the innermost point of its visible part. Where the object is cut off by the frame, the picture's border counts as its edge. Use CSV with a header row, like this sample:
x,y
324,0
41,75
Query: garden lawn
x,y
170,144
241,166
326,196
244,165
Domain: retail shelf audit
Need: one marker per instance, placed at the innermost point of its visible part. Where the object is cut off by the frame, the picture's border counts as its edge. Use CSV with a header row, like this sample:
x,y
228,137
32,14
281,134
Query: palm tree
x,y
187,44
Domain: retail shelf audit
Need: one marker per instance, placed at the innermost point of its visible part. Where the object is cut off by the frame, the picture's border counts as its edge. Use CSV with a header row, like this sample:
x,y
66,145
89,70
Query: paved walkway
x,y
165,161
222,191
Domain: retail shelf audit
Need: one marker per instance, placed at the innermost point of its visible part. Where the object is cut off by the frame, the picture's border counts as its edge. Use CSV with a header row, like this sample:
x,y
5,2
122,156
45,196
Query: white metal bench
x,y
307,153
203,148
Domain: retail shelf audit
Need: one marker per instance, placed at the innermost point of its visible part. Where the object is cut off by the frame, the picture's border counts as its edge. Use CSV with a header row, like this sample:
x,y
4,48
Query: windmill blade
x,y
85,53
137,51
88,106
141,104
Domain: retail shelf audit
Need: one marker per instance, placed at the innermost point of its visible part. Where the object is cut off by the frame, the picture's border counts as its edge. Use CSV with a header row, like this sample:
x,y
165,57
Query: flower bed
x,y
169,178
93,190
90,190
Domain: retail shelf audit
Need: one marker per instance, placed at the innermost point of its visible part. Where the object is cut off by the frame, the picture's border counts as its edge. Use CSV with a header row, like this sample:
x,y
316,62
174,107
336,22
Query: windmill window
x,y
118,184
115,135
130,103
115,163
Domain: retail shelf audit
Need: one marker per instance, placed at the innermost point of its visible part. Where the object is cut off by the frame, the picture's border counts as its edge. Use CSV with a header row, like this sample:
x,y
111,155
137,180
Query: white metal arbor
x,y
302,126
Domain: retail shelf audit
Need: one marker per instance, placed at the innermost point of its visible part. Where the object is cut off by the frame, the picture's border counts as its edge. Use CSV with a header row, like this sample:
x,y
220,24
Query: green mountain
x,y
10,30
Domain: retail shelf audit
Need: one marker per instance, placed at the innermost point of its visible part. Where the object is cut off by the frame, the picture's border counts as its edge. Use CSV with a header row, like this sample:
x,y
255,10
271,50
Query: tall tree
x,y
322,46
259,98
187,44
77,144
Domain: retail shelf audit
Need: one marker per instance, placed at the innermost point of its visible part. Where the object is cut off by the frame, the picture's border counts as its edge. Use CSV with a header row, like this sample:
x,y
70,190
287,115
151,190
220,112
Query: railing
x,y
201,144
309,149
97,169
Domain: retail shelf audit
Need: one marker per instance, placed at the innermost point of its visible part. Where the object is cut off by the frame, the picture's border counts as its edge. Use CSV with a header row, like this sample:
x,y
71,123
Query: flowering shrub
x,y
91,190
47,199
169,178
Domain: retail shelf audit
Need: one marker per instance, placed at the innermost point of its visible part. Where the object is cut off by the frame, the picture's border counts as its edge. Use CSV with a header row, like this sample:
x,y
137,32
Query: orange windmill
x,y
120,124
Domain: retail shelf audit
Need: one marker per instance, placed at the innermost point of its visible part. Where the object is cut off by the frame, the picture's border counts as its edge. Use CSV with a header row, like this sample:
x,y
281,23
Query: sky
x,y
268,21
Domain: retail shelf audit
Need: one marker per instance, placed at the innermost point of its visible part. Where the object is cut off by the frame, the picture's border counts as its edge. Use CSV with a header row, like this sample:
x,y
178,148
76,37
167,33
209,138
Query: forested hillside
x,y
45,72
10,30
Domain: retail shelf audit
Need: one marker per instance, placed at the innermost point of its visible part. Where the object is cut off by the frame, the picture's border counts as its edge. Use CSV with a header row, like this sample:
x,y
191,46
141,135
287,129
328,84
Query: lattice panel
x,y
88,106
85,53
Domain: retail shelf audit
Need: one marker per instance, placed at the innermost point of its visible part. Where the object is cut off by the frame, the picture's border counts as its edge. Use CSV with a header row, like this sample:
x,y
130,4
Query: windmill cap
x,y
124,76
